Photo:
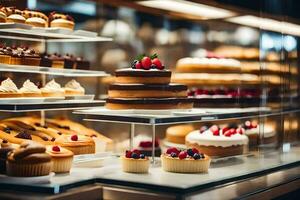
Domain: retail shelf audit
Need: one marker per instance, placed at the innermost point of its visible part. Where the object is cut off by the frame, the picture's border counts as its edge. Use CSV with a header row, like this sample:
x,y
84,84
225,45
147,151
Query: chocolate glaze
x,y
143,73
149,100
170,87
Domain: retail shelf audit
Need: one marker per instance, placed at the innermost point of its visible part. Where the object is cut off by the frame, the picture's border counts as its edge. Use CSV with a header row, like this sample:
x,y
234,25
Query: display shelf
x,y
55,105
220,173
52,71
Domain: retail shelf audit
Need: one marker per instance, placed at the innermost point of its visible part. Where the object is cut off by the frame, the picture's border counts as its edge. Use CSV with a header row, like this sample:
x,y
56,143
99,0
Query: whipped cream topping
x,y
74,85
208,139
52,86
29,87
209,61
8,86
266,131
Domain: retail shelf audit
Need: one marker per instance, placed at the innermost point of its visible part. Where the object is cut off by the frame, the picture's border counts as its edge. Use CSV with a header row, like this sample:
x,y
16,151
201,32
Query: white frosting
x,y
130,69
74,85
36,20
222,62
208,139
267,131
8,86
52,86
216,96
203,96
16,16
29,87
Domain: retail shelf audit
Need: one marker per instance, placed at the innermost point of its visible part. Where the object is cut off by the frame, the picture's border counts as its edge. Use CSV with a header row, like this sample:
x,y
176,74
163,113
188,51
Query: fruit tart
x,y
135,162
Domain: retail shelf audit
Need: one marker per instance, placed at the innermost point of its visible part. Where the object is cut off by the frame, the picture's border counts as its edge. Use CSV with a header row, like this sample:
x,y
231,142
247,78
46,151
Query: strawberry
x,y
182,155
240,130
226,128
146,63
128,154
138,65
173,150
228,133
215,130
157,63
232,131
254,125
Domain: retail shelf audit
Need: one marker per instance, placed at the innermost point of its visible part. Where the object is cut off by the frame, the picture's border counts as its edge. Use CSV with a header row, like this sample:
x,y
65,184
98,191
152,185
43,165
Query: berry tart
x,y
216,141
135,162
145,147
185,161
253,131
62,158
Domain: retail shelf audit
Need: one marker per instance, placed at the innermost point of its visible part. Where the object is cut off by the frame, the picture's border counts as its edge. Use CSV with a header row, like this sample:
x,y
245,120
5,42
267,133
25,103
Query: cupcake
x,y
31,58
6,147
16,57
187,161
29,89
135,162
30,159
62,158
36,22
78,144
73,88
8,89
53,89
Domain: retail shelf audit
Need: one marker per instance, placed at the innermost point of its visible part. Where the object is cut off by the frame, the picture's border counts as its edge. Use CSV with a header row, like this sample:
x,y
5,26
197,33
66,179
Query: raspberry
x,y
74,137
182,155
56,148
173,150
128,154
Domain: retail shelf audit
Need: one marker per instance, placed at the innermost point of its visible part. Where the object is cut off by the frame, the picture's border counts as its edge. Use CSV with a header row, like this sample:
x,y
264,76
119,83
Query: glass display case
x,y
241,70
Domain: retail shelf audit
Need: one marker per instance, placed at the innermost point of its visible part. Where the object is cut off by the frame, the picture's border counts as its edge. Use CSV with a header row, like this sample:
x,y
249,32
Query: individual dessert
x,y
16,18
6,147
208,65
29,89
73,88
78,144
52,60
2,17
8,89
176,134
135,162
254,131
17,56
145,147
36,19
146,86
5,54
186,161
216,141
61,158
69,61
53,89
30,159
61,21
223,93
31,58
81,63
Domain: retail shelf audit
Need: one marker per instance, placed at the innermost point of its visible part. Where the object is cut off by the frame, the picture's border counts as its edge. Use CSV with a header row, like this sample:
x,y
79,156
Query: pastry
x,y
17,57
8,89
36,21
16,18
2,17
5,54
80,63
29,89
61,158
135,162
73,88
186,161
69,61
53,89
31,58
253,131
78,144
145,147
216,141
30,159
6,147
61,21
53,60
176,134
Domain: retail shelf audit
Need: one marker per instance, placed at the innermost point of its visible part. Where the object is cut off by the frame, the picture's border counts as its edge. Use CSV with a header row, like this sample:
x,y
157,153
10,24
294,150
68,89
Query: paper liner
x,y
186,165
28,169
62,164
135,165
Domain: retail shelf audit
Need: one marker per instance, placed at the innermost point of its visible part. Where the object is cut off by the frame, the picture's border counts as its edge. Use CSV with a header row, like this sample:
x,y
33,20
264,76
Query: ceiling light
x,y
188,8
267,24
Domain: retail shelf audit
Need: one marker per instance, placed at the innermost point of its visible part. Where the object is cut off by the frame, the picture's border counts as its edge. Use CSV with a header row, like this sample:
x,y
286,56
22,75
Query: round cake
x,y
220,142
176,134
253,131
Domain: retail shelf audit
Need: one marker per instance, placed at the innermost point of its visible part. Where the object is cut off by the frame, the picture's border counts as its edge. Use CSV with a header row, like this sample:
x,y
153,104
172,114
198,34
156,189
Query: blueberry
x,y
153,66
135,156
142,156
196,156
190,152
173,155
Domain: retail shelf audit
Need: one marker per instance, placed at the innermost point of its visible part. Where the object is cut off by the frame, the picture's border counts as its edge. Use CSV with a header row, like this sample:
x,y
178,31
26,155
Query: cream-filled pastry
x,y
9,89
29,89
73,88
53,89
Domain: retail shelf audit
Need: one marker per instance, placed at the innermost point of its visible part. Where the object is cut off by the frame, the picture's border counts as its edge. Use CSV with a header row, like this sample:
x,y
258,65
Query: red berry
x,y
248,124
228,133
56,148
254,125
128,154
225,129
232,131
74,137
136,151
182,155
215,130
195,150
146,63
173,150
240,130
157,63
138,65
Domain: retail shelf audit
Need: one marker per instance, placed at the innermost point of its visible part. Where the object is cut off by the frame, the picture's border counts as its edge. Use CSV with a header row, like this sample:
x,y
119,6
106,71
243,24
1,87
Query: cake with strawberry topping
x,y
146,85
135,162
185,161
254,131
215,141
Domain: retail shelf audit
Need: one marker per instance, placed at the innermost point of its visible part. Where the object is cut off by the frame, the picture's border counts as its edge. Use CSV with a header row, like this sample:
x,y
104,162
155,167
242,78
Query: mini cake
x,y
62,158
78,144
6,147
5,55
29,89
176,134
31,58
8,89
186,161
53,60
215,141
30,159
53,89
135,162
73,88
2,17
253,131
80,63
61,21
145,147
37,22
17,57
16,18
